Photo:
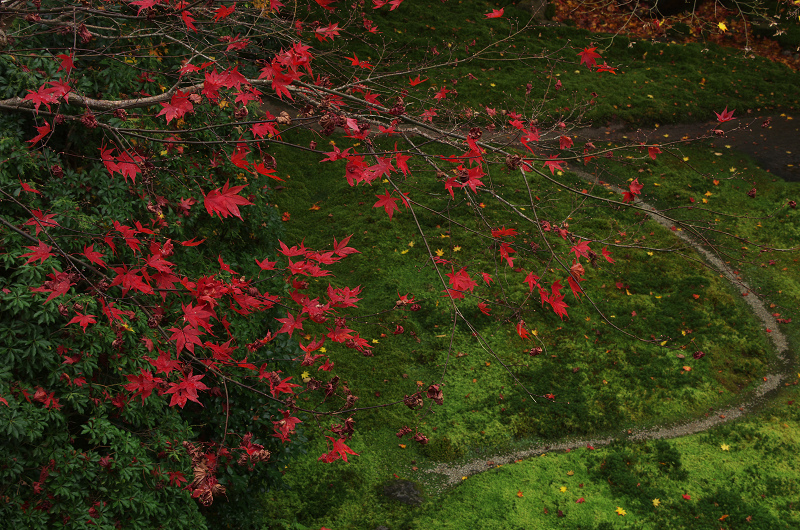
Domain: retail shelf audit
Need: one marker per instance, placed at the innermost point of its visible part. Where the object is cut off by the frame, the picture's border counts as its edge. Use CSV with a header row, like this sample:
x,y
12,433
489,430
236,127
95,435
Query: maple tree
x,y
140,110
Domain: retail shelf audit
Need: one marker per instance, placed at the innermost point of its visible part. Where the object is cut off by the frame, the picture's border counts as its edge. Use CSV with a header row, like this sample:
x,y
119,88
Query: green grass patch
x,y
619,382
657,82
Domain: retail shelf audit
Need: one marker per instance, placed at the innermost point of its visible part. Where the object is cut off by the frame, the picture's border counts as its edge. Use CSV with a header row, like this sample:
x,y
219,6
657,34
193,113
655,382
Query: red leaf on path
x,y
496,13
83,320
588,56
225,201
388,202
40,252
725,115
590,447
186,389
564,142
43,131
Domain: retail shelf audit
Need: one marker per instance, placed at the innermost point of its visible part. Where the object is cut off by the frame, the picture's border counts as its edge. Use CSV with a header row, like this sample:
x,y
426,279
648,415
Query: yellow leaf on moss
x,y
620,511
656,502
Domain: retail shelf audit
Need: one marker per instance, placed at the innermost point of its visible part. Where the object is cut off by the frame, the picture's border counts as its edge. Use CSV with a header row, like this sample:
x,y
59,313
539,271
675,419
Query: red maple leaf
x,y
496,13
41,220
129,279
164,363
185,338
223,12
556,300
388,202
82,320
485,309
725,116
564,142
635,189
532,280
521,331
40,252
340,450
341,249
67,62
143,384
581,249
554,164
653,151
178,105
417,81
58,284
225,201
186,389
93,256
188,19
290,323
43,131
607,255
285,426
284,386
588,56
43,95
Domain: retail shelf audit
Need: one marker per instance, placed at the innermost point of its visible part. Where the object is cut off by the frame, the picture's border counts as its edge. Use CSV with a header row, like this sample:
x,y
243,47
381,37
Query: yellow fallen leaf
x,y
456,248
664,343
620,511
725,447
439,252
722,26
656,502
563,489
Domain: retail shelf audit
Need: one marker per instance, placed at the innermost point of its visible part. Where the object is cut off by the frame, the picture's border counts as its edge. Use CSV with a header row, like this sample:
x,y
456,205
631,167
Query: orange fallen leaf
x,y
696,296
687,368
519,493
723,517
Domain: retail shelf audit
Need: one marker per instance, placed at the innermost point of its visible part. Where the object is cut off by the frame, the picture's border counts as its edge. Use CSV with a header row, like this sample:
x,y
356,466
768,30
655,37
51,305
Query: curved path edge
x,y
745,404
